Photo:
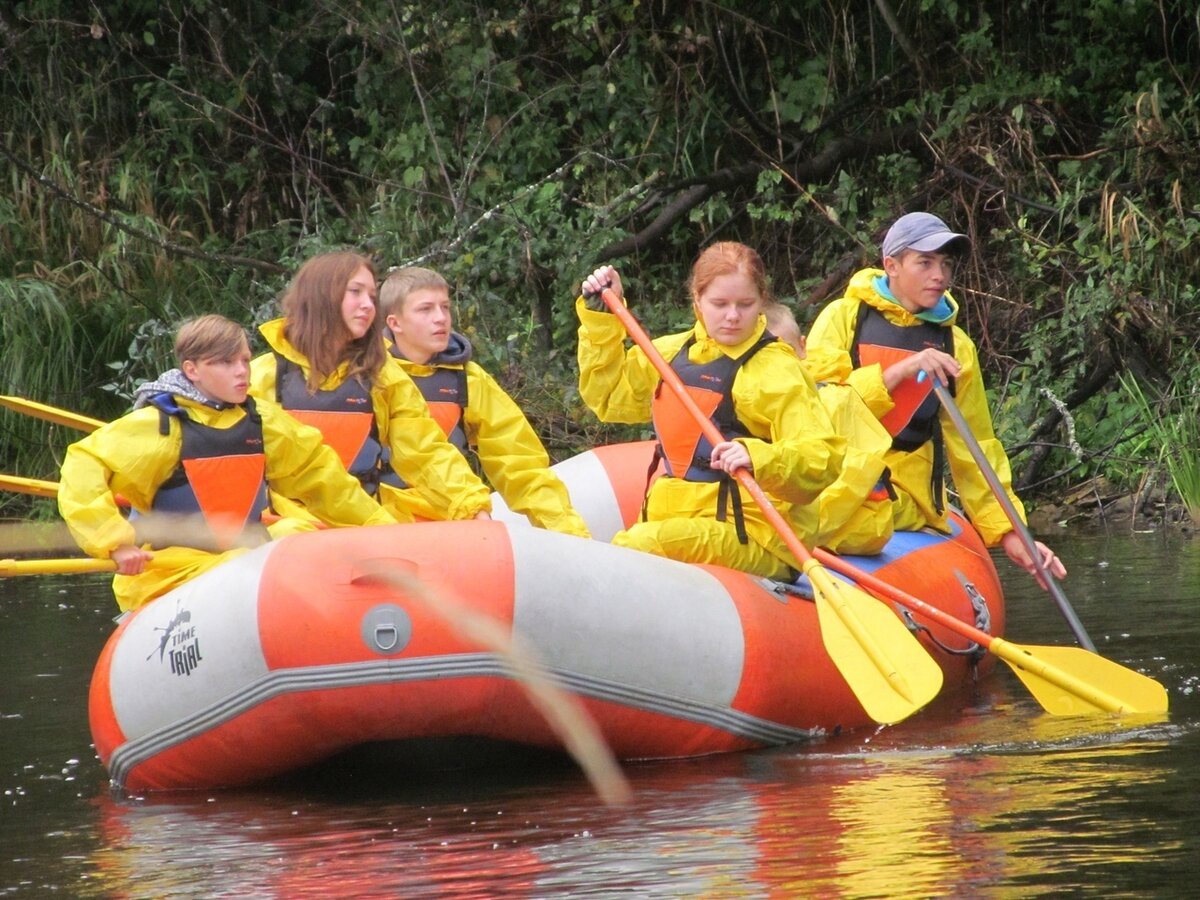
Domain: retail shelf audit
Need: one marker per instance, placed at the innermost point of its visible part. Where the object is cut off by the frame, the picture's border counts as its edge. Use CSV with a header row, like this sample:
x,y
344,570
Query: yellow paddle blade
x,y
74,566
891,674
35,486
1070,681
50,413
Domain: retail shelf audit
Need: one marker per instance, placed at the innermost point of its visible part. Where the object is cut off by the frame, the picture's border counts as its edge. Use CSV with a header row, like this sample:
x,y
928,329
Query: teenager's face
x,y
225,380
358,303
918,279
729,308
422,327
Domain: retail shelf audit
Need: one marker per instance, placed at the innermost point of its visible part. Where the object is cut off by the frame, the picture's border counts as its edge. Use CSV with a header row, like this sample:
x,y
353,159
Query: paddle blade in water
x,y
1072,681
891,674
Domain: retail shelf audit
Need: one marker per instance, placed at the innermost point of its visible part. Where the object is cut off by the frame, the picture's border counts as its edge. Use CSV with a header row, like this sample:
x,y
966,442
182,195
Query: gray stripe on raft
x,y
472,665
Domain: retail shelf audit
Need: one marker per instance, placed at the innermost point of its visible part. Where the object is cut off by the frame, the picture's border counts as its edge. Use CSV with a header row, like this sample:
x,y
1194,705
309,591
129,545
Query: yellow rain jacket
x,y
855,511
420,453
797,452
131,458
512,456
829,344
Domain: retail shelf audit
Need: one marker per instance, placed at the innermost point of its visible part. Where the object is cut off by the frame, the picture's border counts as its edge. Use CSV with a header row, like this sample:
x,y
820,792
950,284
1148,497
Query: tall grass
x,y
36,317
1174,425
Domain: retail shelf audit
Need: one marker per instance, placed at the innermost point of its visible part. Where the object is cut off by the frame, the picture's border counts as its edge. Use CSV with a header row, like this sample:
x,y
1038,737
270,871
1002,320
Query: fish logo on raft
x,y
179,644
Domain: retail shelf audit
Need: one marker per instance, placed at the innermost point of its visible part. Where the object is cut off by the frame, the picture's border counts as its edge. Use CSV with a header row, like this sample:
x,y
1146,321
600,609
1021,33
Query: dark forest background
x,y
165,159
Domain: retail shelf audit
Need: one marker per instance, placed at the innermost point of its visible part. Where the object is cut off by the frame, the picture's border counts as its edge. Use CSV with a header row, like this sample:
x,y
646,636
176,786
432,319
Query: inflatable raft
x,y
296,650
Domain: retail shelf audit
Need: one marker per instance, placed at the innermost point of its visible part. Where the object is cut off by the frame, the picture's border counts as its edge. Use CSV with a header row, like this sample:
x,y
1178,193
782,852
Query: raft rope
x,y
983,615
983,621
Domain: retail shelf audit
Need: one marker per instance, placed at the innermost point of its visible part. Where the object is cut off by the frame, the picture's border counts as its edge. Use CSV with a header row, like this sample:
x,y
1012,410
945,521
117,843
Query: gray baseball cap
x,y
923,232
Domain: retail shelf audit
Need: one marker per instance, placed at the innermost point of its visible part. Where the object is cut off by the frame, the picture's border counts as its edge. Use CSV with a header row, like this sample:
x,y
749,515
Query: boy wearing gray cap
x,y
893,323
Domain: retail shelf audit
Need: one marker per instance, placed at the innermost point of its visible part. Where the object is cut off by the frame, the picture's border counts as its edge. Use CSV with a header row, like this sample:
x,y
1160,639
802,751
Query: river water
x,y
998,799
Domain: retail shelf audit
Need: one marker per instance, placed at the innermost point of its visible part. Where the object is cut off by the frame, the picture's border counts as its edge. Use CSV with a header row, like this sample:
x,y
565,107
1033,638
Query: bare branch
x,y
893,24
693,192
115,221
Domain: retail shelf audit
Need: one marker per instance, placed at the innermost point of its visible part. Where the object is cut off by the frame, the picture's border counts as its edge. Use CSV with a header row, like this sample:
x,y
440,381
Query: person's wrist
x,y
595,301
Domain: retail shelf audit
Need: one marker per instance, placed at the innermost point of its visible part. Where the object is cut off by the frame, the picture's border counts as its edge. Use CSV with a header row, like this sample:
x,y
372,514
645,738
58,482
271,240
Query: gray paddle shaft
x,y
1018,524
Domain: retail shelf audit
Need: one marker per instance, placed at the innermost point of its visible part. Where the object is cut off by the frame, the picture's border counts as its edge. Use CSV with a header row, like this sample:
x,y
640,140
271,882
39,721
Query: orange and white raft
x,y
294,652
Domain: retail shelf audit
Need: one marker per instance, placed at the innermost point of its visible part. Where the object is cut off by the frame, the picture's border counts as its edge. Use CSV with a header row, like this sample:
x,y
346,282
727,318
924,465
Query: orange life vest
x,y
221,476
345,416
682,447
913,420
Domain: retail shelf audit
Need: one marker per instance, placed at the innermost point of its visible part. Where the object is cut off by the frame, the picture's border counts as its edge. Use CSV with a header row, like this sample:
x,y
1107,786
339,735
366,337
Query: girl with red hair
x,y
761,400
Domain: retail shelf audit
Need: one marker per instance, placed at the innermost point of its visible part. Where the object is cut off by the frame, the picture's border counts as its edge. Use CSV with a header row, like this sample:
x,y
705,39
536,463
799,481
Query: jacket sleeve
x,y
775,397
127,457
849,521
829,342
617,385
262,377
300,464
421,455
514,459
985,511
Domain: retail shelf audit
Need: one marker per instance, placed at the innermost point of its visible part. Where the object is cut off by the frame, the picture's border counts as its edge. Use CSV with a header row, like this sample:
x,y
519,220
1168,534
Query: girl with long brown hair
x,y
328,365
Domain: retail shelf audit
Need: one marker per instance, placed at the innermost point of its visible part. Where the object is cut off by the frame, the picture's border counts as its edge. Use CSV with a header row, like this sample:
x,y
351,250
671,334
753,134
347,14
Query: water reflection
x,y
983,795
935,819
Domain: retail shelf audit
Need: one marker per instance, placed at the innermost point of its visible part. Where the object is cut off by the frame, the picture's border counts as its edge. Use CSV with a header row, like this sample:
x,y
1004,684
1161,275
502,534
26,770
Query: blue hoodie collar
x,y
937,315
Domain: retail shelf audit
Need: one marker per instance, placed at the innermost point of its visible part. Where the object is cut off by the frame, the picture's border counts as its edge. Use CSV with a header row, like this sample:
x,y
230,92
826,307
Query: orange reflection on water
x,y
883,817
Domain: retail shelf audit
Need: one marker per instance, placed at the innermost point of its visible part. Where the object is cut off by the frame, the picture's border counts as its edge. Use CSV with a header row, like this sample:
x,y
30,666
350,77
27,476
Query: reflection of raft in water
x,y
294,651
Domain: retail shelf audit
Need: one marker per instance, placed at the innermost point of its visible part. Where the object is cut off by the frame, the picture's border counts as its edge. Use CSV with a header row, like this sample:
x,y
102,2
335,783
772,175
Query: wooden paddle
x,y
1064,680
50,413
885,666
1018,524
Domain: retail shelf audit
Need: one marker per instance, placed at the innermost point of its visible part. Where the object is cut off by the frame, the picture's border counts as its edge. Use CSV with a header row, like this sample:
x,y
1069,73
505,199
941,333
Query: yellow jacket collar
x,y
710,347
862,287
272,333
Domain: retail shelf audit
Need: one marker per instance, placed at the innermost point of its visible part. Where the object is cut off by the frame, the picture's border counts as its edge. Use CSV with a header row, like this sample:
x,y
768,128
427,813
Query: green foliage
x,y
162,160
1173,424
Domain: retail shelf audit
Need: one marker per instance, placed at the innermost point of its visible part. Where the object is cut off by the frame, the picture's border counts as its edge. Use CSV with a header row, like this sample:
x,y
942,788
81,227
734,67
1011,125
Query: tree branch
x,y
695,191
893,24
115,221
1099,377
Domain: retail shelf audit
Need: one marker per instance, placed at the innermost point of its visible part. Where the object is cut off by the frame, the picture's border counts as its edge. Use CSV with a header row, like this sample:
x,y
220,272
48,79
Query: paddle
x,y
35,486
68,566
1018,524
50,413
888,670
1064,680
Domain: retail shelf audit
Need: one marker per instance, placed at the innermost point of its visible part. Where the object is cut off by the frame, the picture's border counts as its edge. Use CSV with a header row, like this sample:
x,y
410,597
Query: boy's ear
x,y
188,367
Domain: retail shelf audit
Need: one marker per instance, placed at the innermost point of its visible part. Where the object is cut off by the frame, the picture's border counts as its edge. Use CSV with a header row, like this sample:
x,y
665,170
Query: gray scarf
x,y
174,382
